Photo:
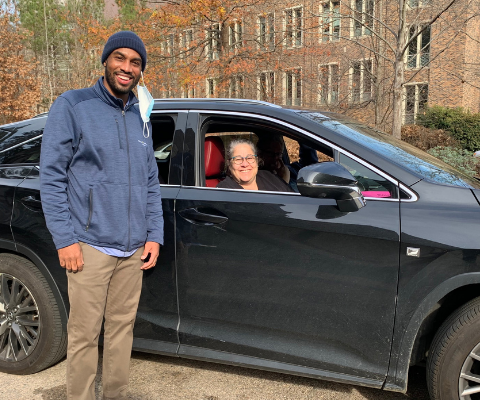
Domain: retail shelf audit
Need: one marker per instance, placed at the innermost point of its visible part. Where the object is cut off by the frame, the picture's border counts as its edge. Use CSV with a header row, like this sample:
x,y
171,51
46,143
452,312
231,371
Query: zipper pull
x,y
123,112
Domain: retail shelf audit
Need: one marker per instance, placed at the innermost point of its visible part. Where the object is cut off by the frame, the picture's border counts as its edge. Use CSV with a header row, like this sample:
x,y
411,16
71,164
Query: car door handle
x,y
204,217
32,203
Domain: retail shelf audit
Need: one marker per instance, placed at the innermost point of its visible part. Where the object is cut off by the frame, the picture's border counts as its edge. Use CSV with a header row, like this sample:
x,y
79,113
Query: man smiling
x,y
101,200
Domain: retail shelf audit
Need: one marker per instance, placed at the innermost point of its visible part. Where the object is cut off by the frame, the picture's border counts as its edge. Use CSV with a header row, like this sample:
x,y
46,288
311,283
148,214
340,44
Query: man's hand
x,y
71,258
153,249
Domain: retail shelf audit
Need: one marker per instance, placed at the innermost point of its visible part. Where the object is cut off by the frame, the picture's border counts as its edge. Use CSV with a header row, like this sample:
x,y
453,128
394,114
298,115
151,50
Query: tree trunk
x,y
398,81
399,71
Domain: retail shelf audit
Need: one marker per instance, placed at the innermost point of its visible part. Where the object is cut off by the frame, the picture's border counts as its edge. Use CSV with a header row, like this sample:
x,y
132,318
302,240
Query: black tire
x,y
450,362
35,338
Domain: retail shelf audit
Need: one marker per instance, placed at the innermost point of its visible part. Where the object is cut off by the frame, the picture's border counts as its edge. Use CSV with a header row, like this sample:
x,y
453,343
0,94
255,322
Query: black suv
x,y
373,266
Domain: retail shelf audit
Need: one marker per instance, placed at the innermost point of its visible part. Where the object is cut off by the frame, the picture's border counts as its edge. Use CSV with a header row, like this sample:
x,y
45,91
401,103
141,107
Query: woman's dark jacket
x,y
265,181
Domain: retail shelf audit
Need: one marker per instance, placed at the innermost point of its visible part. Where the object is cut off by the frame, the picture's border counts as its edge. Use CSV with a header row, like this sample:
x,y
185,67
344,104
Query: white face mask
x,y
145,103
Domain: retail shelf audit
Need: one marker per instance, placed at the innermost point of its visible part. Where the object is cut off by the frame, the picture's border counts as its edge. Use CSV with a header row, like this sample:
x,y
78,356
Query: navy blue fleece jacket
x,y
99,179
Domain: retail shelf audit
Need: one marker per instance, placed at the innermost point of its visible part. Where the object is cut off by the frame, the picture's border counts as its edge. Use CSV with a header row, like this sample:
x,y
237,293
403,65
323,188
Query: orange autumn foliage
x,y
20,90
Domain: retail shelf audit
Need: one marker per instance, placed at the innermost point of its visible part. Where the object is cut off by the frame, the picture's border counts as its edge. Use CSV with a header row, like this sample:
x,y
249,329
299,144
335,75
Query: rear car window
x,y
26,153
19,132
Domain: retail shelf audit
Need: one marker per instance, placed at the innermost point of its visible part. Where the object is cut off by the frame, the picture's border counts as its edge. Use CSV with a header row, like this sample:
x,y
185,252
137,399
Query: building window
x,y
361,81
186,40
329,82
266,86
235,35
416,99
294,26
213,42
362,17
419,49
211,87
418,3
170,47
330,21
236,87
166,92
266,28
188,92
293,87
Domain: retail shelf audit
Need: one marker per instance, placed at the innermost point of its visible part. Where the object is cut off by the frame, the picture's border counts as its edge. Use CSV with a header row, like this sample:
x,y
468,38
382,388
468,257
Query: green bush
x,y
462,125
459,158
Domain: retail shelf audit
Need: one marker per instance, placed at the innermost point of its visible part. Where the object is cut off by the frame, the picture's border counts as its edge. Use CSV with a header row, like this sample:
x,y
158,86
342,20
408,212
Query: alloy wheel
x,y
19,320
469,382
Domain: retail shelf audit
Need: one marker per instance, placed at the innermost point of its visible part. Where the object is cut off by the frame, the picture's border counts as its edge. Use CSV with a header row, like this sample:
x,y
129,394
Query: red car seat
x,y
214,160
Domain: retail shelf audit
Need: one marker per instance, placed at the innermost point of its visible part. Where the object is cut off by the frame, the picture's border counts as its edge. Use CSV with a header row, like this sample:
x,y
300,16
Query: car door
x,y
17,145
157,316
283,281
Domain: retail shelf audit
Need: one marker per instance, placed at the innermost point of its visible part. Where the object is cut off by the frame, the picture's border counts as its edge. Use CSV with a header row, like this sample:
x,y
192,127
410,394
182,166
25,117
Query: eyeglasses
x,y
238,160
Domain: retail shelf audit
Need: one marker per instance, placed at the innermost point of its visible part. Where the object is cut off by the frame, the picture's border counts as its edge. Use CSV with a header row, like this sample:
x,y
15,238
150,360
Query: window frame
x,y
360,18
213,37
186,39
416,101
420,50
188,91
362,79
211,83
235,35
420,3
331,84
266,40
297,73
293,31
269,86
329,20
236,87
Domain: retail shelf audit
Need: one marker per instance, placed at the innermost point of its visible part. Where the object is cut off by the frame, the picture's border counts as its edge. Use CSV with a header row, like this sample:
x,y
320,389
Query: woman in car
x,y
242,163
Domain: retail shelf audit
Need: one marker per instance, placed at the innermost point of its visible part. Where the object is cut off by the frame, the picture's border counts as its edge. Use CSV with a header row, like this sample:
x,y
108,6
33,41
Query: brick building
x,y
332,54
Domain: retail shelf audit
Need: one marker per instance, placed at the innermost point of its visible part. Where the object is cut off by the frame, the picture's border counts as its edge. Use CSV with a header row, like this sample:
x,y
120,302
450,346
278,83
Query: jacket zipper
x,y
129,178
90,210
118,132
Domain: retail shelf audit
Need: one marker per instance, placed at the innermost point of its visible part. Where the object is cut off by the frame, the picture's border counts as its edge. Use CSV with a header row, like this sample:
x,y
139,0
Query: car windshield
x,y
396,151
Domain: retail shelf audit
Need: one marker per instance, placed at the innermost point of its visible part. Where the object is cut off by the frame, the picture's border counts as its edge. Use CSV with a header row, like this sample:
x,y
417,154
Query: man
x,y
271,150
101,200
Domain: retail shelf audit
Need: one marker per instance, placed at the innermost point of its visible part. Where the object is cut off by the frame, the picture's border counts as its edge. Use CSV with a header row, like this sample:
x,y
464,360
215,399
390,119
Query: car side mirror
x,y
331,180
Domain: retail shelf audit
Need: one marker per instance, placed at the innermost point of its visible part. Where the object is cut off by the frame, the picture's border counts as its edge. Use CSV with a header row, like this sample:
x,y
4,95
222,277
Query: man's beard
x,y
112,82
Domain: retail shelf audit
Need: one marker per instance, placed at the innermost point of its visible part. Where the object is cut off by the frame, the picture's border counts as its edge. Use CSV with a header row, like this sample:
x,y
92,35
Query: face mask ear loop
x,y
148,130
143,81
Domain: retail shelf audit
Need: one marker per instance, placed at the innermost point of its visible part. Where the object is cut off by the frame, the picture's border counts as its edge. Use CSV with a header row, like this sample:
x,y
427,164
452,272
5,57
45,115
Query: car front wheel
x,y
31,334
453,368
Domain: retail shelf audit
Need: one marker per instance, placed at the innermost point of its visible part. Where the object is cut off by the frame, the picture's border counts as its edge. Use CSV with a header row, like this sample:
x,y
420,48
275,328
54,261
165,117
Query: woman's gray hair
x,y
231,147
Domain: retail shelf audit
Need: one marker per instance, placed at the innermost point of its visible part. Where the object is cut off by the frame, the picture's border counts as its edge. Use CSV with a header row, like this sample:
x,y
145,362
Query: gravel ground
x,y
155,377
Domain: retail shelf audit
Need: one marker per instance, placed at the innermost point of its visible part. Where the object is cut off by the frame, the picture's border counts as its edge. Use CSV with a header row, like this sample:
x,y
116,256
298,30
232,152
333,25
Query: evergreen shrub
x,y
461,124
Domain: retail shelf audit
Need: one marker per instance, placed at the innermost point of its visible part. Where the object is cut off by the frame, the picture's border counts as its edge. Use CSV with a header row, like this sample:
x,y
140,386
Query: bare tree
x,y
403,37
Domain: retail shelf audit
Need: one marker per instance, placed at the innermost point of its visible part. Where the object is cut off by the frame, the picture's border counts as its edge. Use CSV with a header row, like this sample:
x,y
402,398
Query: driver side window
x,y
280,152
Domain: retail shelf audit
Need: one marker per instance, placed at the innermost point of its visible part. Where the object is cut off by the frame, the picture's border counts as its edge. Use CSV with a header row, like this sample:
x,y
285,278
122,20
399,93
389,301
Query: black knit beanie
x,y
126,39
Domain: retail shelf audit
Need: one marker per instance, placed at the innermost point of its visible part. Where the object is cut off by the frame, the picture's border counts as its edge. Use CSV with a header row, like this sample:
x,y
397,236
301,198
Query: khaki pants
x,y
108,286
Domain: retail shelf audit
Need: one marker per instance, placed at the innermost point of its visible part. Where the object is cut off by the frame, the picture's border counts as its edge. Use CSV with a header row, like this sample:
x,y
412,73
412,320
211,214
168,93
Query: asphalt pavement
x,y
155,377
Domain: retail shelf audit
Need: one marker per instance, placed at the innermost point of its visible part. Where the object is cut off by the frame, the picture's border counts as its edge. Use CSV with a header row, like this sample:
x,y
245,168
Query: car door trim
x,y
21,144
223,357
413,196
